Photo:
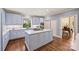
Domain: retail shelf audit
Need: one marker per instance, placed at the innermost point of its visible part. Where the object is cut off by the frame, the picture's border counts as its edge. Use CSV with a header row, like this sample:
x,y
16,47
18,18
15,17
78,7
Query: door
x,y
53,27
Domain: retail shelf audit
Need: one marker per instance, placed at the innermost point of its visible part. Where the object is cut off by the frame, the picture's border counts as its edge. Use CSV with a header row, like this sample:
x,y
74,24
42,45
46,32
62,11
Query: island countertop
x,y
36,31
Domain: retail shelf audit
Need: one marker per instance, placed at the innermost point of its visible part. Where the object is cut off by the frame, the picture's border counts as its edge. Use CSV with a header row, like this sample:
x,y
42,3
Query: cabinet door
x,y
17,19
48,37
21,33
9,18
41,42
34,41
13,34
45,37
16,34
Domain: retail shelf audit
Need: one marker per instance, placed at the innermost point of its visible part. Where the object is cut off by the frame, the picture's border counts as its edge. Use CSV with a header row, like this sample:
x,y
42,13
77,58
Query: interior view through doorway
x,y
68,27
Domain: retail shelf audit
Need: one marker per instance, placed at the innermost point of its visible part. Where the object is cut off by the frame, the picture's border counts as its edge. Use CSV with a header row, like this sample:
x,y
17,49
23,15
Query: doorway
x,y
67,27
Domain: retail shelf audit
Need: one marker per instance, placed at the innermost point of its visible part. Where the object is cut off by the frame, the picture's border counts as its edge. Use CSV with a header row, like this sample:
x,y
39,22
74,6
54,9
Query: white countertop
x,y
34,32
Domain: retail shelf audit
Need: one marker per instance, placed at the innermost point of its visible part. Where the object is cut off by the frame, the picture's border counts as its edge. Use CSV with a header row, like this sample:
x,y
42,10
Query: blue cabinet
x,y
5,39
16,34
36,39
13,19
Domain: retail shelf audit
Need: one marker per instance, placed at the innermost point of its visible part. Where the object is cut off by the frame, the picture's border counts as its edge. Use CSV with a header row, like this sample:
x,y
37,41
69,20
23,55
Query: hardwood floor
x,y
57,44
16,45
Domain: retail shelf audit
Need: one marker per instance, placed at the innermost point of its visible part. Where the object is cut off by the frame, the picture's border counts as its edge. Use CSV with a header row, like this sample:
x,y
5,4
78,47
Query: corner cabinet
x,y
13,19
5,39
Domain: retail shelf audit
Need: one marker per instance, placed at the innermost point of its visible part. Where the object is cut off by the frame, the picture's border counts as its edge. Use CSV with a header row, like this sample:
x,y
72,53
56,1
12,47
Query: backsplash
x,y
10,27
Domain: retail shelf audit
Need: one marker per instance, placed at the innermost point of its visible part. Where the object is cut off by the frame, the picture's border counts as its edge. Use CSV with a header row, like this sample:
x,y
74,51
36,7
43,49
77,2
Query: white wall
x,y
75,43
47,24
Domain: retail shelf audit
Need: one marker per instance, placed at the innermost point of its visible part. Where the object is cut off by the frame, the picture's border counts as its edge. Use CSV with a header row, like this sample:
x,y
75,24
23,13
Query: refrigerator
x,y
0,31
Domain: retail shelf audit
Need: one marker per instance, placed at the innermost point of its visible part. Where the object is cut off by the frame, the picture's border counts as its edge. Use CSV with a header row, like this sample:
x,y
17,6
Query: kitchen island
x,y
37,38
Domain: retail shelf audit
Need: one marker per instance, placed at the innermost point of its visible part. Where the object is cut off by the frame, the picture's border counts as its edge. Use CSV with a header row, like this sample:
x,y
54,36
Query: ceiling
x,y
39,11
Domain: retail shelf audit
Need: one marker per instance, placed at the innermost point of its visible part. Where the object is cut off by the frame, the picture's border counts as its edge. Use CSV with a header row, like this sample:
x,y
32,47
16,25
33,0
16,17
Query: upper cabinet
x,y
13,19
37,21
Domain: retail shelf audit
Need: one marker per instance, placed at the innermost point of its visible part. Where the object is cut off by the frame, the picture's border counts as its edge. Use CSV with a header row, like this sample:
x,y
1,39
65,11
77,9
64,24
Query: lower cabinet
x,y
16,34
45,38
11,35
34,41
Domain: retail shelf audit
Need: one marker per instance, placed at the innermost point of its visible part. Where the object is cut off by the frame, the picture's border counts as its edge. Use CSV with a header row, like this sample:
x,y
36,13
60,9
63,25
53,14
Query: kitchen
x,y
30,29
12,25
